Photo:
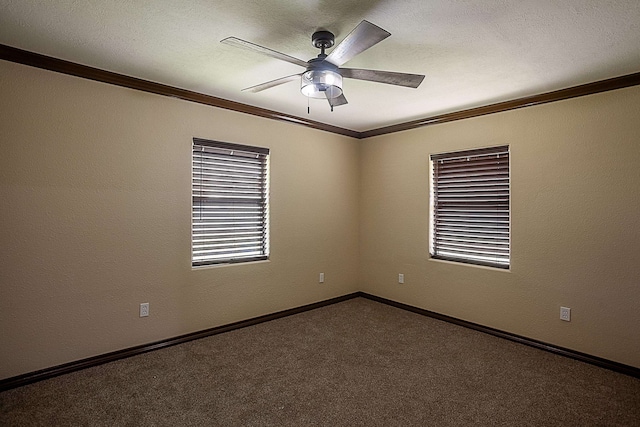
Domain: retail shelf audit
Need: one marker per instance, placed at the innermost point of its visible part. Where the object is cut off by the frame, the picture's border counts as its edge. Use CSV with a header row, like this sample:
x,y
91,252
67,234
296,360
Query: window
x,y
470,218
230,203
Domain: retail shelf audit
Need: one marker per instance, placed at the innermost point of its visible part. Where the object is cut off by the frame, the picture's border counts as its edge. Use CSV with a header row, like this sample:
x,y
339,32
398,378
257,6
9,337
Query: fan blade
x,y
339,100
272,83
233,41
360,39
388,77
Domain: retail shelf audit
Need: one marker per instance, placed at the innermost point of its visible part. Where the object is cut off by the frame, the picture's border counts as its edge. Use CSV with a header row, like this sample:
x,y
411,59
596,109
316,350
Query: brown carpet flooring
x,y
355,363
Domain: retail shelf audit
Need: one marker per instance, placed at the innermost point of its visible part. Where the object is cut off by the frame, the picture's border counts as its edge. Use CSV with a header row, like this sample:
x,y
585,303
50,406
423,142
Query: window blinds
x,y
230,203
470,211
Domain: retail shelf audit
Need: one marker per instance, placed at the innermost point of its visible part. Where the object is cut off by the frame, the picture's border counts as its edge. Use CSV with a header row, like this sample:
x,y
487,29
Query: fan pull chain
x,y
308,109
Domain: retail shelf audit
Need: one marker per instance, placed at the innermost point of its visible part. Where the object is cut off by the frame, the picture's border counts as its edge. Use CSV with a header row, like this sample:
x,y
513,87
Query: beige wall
x,y
575,224
95,219
95,190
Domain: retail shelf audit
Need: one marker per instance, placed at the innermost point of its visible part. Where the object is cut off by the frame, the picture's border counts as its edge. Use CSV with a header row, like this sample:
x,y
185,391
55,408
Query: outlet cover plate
x,y
565,314
144,309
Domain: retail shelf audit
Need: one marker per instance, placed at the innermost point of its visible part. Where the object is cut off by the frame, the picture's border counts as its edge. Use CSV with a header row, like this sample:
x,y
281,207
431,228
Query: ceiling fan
x,y
323,76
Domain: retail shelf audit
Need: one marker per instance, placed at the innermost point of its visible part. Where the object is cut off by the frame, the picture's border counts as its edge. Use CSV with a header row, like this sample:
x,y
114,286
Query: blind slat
x,y
230,203
471,215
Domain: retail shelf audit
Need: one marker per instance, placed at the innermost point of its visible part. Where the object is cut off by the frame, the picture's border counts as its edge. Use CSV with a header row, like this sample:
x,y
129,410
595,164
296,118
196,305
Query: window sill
x,y
465,264
229,264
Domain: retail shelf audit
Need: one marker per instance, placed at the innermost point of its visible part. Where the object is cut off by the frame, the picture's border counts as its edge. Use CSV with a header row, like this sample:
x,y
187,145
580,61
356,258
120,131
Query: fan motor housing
x,y
320,64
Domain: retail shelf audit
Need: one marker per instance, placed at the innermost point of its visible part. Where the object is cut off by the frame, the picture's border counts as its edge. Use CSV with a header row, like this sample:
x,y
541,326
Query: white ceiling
x,y
473,52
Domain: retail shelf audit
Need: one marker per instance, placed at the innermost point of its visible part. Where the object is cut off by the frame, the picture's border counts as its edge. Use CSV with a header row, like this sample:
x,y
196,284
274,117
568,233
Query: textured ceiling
x,y
473,52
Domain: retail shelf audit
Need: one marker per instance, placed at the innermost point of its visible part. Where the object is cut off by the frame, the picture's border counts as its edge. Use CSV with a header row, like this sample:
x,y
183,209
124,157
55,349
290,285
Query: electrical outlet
x,y
144,309
321,278
565,314
400,278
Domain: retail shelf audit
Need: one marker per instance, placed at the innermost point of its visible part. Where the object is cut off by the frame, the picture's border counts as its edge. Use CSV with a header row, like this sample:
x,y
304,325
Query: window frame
x,y
226,202
466,220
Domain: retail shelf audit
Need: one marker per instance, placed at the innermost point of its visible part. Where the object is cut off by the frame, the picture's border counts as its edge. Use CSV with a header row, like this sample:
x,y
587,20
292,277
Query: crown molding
x,y
37,60
529,101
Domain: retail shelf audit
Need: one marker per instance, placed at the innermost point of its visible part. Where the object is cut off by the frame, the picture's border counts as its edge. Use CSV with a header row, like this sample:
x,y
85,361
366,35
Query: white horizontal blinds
x,y
230,209
471,206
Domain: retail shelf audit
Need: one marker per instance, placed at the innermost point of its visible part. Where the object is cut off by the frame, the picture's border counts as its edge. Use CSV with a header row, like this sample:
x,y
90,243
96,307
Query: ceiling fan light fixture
x,y
321,84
